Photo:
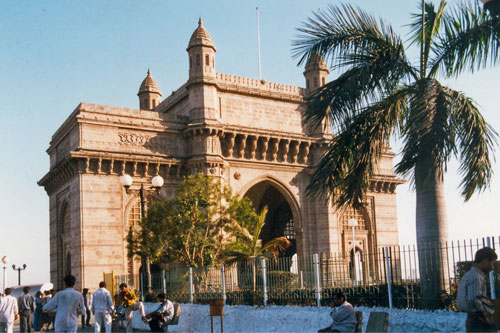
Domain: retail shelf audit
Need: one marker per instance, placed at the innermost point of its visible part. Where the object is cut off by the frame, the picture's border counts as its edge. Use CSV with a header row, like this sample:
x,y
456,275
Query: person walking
x,y
9,311
26,304
471,295
102,308
87,301
38,310
67,304
126,298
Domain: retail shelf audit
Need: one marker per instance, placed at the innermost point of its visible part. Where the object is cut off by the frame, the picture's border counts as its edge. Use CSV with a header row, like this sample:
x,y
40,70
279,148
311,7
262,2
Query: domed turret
x,y
149,93
201,49
316,72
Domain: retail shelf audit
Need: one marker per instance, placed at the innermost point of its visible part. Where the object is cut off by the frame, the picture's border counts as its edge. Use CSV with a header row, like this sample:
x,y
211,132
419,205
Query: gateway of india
x,y
248,132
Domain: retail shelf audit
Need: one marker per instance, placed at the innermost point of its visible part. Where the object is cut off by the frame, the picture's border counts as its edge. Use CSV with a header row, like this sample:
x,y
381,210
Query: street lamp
x,y
19,269
5,260
493,6
352,222
156,184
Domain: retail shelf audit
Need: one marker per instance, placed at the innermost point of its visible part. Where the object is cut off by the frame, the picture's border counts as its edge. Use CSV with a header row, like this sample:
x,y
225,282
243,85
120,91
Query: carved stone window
x,y
134,216
352,213
207,60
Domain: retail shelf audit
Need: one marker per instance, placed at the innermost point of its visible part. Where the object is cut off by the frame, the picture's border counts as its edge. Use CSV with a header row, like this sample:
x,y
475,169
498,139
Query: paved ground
x,y
86,329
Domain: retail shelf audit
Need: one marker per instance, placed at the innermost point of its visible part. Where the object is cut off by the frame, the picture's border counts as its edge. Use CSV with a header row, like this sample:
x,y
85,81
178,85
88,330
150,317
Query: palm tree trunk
x,y
432,234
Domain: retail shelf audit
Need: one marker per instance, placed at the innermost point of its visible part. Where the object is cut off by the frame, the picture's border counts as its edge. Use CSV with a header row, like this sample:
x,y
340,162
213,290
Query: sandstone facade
x,y
248,132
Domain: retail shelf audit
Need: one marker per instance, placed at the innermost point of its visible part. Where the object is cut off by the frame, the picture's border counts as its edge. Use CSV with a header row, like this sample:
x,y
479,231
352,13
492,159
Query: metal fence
x,y
392,276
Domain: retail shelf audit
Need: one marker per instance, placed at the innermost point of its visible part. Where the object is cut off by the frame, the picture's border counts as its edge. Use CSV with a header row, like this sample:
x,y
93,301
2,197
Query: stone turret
x,y
316,73
149,93
201,49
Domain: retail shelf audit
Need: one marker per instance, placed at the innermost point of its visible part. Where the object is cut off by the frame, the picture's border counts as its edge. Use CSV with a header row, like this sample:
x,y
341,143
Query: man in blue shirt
x,y
343,315
163,314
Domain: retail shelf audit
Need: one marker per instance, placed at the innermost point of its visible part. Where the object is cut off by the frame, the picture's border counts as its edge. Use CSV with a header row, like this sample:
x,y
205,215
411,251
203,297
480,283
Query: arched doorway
x,y
280,219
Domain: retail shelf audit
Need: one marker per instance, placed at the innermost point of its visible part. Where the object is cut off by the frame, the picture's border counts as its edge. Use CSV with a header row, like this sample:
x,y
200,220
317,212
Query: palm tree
x,y
247,245
380,94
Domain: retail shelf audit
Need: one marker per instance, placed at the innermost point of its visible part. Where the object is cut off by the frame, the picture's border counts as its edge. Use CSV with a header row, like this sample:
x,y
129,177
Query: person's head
x,y
338,298
69,281
47,293
162,297
8,291
123,287
85,291
26,290
484,259
102,284
38,294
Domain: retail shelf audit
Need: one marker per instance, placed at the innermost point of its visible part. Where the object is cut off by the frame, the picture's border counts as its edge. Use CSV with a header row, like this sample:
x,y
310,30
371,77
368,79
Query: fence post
x,y
142,287
388,274
301,277
316,278
492,278
164,276
191,285
223,284
264,280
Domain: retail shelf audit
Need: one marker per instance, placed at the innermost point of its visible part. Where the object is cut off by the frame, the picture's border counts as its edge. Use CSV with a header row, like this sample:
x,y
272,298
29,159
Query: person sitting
x,y
163,314
127,299
343,315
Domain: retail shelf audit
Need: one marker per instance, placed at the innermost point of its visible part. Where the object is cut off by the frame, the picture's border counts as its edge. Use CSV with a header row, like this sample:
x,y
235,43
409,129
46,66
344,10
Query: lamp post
x,y
156,183
493,6
5,260
19,269
352,222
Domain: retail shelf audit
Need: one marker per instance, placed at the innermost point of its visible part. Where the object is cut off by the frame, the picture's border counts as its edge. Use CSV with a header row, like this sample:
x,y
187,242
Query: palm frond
x,y
470,41
275,246
344,172
476,141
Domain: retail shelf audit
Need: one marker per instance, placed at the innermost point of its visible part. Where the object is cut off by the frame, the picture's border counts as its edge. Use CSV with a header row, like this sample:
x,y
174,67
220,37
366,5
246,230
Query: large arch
x,y
284,216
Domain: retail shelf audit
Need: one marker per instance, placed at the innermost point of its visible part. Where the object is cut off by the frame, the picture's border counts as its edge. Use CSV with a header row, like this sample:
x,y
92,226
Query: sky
x,y
57,54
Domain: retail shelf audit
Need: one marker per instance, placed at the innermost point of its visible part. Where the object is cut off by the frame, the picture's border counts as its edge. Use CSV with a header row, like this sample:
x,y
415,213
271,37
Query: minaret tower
x,y
201,51
316,73
149,93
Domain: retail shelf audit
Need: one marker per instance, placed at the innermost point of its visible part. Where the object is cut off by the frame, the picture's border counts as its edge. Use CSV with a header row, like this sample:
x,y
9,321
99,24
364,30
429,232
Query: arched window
x,y
315,82
207,60
198,60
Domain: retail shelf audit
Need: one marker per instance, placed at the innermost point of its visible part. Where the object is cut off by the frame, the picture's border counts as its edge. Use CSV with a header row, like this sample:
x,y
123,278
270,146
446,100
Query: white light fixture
x,y
126,180
5,260
157,182
352,222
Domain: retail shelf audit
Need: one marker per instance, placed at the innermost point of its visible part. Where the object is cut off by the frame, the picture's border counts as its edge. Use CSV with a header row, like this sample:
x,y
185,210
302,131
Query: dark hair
x,y
102,284
38,294
123,285
485,253
69,281
26,290
161,296
8,291
85,290
339,295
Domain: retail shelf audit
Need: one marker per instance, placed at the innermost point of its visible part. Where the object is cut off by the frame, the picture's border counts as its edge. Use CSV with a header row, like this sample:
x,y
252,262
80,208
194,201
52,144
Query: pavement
x,y
80,329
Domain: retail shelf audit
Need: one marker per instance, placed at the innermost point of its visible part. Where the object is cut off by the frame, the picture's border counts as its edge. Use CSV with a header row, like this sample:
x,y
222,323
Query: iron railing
x,y
405,273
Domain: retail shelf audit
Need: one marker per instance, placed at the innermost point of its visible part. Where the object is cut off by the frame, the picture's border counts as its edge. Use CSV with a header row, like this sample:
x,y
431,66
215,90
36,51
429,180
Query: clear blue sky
x,y
56,54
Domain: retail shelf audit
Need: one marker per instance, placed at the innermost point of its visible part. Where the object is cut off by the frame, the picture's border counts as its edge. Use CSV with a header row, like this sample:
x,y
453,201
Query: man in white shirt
x,y
67,304
161,315
9,311
343,315
102,307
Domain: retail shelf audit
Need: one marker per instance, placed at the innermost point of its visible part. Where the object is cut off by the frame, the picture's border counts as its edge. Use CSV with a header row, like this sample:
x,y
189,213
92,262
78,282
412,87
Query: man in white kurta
x,y
67,304
8,311
102,307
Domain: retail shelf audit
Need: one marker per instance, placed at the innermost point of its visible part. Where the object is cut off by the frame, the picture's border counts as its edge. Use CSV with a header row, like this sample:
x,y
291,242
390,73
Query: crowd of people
x,y
59,311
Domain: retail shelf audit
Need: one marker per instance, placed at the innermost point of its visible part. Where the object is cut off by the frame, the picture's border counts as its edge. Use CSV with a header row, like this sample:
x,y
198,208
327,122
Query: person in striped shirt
x,y
472,298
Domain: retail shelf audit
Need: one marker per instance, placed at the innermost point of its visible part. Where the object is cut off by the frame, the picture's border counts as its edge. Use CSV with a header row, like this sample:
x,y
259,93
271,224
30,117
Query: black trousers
x,y
86,318
26,321
155,325
476,322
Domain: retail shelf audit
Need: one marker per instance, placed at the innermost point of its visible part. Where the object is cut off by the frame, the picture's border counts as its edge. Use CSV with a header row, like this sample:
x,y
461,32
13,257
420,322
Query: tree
x,y
380,93
246,244
189,229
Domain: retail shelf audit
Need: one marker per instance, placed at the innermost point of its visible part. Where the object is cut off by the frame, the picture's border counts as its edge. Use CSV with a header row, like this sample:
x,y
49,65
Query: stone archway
x,y
282,217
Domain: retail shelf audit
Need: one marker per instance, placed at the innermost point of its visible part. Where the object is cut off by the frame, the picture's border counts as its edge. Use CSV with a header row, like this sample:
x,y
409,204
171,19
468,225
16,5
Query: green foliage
x,y
380,92
190,229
